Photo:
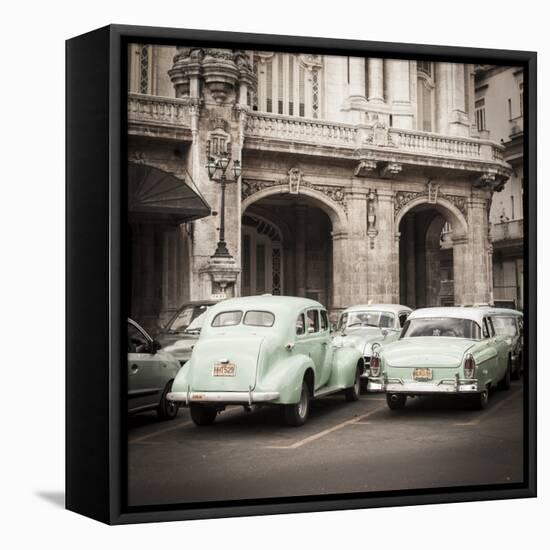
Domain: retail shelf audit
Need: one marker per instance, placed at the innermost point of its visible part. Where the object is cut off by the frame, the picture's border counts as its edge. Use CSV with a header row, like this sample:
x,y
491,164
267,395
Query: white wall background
x,y
32,274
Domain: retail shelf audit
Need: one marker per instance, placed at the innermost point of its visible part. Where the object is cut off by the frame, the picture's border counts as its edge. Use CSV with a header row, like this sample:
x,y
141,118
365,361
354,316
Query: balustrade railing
x,y
505,231
157,110
322,132
300,129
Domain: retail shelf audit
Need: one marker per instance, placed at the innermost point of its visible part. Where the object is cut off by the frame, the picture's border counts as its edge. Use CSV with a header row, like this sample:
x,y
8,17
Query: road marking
x,y
154,434
316,436
484,415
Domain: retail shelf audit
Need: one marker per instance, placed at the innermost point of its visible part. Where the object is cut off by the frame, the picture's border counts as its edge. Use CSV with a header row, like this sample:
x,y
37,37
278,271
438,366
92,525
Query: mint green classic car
x,y
368,326
265,350
443,350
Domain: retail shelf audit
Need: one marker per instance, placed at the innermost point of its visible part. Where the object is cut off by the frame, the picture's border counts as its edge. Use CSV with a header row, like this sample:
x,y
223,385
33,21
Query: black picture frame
x,y
95,293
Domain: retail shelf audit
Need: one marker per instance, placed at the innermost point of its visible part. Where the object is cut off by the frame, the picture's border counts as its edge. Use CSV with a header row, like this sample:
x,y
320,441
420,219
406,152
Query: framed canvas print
x,y
301,274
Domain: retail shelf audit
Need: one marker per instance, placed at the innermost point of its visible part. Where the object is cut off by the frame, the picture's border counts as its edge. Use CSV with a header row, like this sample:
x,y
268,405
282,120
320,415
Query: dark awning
x,y
156,195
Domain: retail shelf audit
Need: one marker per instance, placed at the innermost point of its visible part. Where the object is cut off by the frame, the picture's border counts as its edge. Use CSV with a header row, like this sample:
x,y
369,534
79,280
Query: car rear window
x,y
259,318
227,318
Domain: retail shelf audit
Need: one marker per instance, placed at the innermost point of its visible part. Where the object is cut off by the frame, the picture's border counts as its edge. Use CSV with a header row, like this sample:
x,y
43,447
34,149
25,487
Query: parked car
x,y
265,350
508,324
368,326
182,331
150,374
443,350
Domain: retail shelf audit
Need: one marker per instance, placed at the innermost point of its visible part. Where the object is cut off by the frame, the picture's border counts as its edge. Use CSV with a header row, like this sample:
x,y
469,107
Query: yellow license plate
x,y
224,369
422,374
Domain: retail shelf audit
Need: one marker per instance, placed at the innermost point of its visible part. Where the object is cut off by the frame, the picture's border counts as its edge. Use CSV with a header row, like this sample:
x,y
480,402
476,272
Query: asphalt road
x,y
344,447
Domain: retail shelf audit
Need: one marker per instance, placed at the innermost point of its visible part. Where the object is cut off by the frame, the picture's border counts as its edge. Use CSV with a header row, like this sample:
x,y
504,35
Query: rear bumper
x,y
225,397
454,385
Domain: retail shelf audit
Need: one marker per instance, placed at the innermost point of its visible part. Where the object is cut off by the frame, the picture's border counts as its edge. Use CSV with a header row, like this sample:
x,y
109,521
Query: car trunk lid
x,y
225,363
429,351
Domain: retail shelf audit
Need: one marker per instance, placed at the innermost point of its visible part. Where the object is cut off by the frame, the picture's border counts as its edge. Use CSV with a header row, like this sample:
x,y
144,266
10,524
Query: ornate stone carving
x,y
433,194
372,201
391,169
294,180
334,193
365,168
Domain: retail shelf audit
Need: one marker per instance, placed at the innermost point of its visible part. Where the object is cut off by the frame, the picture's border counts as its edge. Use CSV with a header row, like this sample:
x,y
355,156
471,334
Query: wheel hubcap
x,y
302,406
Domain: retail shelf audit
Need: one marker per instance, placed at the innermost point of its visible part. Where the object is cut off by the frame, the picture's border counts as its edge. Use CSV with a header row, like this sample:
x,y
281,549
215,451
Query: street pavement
x,y
343,448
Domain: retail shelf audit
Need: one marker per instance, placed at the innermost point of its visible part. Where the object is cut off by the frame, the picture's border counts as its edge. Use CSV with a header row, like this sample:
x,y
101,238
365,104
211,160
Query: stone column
x,y
358,242
340,288
450,99
410,259
462,272
357,77
442,106
376,80
382,283
300,248
478,242
433,276
398,78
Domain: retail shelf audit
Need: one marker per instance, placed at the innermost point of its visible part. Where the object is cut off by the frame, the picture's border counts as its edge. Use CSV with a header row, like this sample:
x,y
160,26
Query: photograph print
x,y
325,274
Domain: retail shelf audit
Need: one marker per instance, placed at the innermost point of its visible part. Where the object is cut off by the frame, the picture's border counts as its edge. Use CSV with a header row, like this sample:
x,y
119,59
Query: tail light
x,y
469,367
375,365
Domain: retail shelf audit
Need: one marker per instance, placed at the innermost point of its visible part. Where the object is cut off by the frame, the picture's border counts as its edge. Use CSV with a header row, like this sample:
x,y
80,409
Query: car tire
x,y
202,415
516,374
167,410
481,400
296,414
396,401
353,393
505,383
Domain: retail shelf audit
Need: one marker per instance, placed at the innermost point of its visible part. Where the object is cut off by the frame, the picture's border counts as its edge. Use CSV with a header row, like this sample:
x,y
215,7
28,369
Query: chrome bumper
x,y
398,385
244,397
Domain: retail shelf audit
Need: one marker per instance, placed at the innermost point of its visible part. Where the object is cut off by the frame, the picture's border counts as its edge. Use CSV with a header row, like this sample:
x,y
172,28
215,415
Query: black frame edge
x,y
87,241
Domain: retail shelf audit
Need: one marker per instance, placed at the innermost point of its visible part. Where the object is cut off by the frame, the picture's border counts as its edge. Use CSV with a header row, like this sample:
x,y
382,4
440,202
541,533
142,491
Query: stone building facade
x,y
362,179
499,116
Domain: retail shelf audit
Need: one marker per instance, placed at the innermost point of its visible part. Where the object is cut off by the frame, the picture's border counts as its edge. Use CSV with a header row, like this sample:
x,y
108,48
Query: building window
x,y
509,109
144,69
425,96
283,87
480,115
521,99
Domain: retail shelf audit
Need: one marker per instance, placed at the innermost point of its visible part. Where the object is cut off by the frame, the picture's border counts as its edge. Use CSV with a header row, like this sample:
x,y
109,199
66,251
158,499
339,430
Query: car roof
x,y
502,311
267,302
458,312
393,308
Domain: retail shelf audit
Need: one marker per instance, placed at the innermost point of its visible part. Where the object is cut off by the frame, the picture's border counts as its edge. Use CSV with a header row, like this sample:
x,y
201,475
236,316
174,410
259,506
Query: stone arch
x,y
335,212
446,208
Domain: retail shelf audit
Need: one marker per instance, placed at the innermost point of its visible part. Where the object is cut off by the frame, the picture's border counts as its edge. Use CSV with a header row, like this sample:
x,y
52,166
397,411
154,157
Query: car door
x,y
144,370
503,347
327,350
309,341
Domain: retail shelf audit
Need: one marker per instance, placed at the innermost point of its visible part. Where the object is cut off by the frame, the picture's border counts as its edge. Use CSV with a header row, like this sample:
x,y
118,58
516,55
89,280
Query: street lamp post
x,y
217,169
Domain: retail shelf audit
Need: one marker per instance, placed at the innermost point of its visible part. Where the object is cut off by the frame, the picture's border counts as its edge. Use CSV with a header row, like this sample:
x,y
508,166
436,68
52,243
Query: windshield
x,y
444,326
196,324
380,319
183,319
505,326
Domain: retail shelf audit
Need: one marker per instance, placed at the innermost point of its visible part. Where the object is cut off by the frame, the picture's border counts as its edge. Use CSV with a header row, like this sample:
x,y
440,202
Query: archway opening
x,y
286,248
426,266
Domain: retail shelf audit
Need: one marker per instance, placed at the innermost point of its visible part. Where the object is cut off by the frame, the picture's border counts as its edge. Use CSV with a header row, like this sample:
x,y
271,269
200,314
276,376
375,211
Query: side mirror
x,y
384,332
155,346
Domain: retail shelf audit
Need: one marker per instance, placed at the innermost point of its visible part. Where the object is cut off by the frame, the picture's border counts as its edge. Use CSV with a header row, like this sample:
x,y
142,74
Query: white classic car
x,y
368,326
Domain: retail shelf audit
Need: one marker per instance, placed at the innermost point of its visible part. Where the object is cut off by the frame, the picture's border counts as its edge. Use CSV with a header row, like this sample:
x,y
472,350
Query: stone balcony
x,y
160,117
506,233
374,143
